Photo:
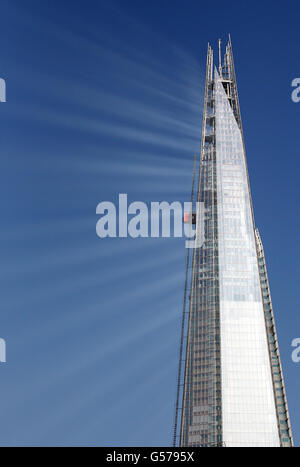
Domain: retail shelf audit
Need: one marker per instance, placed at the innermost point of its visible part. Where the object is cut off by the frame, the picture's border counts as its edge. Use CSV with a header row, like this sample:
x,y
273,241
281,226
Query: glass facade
x,y
248,406
233,389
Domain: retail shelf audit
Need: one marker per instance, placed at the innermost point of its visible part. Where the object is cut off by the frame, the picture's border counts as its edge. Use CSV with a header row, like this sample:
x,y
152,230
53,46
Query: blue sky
x,y
106,98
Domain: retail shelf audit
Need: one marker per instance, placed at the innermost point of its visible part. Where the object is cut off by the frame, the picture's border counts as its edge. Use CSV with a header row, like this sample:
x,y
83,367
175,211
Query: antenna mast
x,y
220,60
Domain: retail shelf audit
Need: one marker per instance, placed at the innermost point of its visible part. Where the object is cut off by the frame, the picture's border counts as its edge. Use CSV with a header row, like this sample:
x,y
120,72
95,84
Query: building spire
x,y
220,59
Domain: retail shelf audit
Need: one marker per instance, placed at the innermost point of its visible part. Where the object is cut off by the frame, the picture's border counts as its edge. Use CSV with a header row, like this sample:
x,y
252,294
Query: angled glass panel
x,y
248,405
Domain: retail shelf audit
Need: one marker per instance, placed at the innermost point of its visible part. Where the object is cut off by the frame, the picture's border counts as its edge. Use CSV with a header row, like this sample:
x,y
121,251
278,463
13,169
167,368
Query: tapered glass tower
x,y
230,382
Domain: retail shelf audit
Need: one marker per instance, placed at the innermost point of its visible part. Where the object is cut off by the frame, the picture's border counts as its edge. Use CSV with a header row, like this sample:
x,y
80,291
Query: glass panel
x,y
248,406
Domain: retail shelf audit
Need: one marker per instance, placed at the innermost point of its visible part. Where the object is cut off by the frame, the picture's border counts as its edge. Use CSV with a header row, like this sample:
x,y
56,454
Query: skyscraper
x,y
230,383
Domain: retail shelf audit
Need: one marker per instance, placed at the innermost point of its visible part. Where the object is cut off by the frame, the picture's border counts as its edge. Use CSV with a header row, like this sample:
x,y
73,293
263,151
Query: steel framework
x,y
199,399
